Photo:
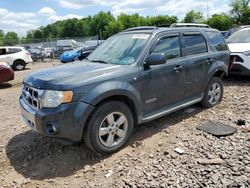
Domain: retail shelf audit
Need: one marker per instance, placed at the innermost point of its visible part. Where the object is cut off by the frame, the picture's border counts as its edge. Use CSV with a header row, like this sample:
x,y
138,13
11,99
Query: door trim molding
x,y
168,111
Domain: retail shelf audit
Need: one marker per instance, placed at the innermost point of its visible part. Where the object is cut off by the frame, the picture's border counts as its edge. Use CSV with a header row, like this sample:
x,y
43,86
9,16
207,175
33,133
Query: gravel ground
x,y
149,160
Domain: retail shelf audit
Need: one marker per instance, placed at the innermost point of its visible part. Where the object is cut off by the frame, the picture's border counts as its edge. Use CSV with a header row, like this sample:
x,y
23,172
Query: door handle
x,y
209,61
178,68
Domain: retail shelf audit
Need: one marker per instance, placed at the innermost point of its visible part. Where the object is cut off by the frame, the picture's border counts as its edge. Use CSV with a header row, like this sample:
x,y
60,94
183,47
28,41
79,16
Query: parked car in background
x,y
58,51
189,25
6,72
77,54
224,33
134,77
232,30
47,52
37,54
239,45
17,57
90,43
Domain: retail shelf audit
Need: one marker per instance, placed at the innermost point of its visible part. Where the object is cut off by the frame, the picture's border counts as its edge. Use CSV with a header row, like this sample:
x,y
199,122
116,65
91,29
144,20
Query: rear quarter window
x,y
13,50
2,51
217,40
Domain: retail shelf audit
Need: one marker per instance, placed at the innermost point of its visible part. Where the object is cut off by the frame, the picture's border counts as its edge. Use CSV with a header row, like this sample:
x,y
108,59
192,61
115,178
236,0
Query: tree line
x,y
104,24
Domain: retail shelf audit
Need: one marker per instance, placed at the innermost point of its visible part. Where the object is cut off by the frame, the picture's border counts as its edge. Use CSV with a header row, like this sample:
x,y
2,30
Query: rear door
x,y
198,60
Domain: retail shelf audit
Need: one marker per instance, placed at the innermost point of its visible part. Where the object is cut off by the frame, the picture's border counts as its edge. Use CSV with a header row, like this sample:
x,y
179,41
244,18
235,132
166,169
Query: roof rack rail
x,y
141,28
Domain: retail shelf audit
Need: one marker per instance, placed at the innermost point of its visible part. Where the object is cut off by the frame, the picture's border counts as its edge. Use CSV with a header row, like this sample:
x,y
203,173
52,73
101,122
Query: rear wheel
x,y
19,65
214,93
109,128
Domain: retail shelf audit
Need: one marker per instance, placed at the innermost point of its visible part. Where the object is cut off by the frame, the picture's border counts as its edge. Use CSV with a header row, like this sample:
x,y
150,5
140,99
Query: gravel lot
x,y
149,160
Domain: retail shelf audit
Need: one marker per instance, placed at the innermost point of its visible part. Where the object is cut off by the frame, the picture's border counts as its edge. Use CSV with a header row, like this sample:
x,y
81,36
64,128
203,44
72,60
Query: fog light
x,y
51,128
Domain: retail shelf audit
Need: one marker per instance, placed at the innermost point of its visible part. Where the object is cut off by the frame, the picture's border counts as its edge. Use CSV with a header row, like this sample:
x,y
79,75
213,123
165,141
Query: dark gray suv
x,y
134,77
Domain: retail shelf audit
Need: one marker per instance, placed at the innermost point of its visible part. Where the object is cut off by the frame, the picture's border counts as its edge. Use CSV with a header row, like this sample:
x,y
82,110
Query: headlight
x,y
52,99
247,53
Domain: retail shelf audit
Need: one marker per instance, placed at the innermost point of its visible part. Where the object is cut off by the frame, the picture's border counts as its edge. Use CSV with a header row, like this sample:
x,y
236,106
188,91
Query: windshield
x,y
122,49
241,36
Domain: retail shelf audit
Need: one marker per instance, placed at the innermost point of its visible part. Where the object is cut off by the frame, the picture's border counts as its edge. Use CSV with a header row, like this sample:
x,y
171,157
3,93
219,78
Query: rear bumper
x,y
65,122
241,64
240,70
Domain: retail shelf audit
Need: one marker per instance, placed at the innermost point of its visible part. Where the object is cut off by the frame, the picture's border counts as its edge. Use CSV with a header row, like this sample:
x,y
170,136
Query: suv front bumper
x,y
66,121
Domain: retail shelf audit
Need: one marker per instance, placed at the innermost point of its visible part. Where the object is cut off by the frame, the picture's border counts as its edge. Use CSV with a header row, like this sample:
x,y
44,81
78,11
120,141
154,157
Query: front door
x,y
163,85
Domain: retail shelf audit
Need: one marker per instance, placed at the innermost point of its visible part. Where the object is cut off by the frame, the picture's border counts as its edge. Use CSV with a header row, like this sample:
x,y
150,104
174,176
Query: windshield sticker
x,y
140,36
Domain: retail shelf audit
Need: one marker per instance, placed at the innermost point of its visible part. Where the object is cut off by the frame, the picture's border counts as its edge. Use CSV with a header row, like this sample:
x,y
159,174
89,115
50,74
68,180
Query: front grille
x,y
32,96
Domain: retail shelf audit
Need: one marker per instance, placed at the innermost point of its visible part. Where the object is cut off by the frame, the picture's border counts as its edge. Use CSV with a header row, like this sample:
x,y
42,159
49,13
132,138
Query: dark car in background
x,y
77,54
36,54
58,51
6,72
134,77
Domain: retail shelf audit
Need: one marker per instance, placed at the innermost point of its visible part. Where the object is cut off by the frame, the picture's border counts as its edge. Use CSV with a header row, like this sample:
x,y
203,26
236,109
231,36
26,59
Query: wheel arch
x,y
118,91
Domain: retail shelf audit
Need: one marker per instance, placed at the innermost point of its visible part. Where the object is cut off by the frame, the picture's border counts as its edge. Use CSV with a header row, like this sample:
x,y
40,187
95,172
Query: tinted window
x,y
13,50
216,40
170,46
2,51
194,44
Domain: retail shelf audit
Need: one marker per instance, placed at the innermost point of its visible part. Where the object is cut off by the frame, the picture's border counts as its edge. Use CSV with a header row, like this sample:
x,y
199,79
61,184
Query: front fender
x,y
113,88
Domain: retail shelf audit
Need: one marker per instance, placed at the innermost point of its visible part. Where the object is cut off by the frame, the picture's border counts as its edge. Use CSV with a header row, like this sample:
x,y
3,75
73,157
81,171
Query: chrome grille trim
x,y
32,96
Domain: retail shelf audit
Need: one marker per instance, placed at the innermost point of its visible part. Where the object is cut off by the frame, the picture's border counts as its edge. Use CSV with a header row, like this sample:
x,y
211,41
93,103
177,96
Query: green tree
x,y
99,22
194,17
221,22
113,28
241,11
1,37
11,38
38,34
162,20
133,20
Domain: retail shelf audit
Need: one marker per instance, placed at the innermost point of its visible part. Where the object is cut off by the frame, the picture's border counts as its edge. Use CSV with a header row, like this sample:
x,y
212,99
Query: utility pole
x,y
207,9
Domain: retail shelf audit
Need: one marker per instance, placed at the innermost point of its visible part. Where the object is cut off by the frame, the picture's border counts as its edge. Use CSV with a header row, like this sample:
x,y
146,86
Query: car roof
x,y
11,47
155,30
245,28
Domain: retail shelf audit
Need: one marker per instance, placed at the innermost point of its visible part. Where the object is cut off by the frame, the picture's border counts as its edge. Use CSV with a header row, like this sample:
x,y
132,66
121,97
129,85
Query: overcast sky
x,y
23,15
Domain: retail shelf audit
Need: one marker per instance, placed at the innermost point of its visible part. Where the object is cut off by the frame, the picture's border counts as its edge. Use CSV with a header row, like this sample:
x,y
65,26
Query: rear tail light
x,y
27,53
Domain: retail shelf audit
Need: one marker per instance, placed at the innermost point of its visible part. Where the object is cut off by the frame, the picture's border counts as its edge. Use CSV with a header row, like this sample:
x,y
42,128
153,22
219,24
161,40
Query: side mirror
x,y
156,59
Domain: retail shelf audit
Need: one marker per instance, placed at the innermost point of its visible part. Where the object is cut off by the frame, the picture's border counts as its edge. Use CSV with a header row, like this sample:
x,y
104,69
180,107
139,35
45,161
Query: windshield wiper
x,y
99,61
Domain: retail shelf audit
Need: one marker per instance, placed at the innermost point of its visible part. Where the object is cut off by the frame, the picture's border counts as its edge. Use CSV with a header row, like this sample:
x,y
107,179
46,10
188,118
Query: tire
x,y
214,93
103,128
19,65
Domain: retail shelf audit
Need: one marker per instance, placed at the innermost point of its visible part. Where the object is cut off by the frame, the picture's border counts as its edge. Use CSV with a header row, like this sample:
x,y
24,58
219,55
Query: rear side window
x,y
194,44
216,40
13,50
169,46
2,51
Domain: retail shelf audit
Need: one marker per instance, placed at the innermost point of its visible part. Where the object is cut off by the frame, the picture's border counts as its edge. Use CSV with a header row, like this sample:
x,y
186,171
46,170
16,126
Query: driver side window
x,y
170,46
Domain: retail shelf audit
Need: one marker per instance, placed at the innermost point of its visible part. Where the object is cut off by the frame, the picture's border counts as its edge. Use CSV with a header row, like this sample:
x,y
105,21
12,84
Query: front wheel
x,y
214,93
109,128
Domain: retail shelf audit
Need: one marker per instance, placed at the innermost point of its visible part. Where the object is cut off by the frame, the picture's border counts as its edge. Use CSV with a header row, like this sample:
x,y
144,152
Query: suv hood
x,y
239,47
71,75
